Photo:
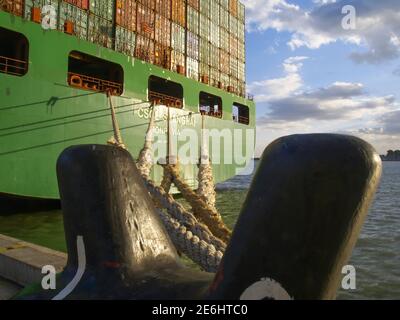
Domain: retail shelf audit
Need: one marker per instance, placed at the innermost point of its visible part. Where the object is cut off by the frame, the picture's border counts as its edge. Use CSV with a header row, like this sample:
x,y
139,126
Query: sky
x,y
314,68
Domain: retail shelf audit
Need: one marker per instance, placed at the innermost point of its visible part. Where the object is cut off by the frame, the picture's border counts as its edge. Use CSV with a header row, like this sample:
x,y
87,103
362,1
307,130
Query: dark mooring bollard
x,y
117,246
301,219
297,228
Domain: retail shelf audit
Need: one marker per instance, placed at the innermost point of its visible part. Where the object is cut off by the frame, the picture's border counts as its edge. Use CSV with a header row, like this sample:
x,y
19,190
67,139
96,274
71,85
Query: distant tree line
x,y
392,156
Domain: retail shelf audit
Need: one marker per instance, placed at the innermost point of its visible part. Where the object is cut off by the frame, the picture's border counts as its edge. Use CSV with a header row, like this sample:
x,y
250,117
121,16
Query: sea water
x,y
376,257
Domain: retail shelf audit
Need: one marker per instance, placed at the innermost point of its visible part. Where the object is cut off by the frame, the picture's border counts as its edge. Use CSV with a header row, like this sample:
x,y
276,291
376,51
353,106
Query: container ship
x,y
61,62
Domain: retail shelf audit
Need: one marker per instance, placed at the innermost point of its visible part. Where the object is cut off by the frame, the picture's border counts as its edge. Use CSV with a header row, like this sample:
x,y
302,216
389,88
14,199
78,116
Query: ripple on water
x,y
376,256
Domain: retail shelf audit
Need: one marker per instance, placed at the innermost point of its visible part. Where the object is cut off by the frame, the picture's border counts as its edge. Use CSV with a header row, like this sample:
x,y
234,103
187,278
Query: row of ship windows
x,y
90,73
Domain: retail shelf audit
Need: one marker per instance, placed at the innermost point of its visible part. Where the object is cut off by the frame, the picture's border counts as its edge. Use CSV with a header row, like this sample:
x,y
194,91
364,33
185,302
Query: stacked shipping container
x,y
202,39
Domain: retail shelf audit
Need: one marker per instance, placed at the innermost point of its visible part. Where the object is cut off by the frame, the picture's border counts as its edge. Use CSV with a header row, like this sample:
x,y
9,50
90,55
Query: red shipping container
x,y
126,14
15,7
83,4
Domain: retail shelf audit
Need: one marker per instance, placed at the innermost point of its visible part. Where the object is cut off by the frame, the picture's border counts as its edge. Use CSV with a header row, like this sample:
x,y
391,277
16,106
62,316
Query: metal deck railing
x,y
13,66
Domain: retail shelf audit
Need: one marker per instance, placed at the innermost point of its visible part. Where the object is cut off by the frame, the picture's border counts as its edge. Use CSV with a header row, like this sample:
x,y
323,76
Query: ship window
x,y
165,92
91,73
14,51
210,105
241,113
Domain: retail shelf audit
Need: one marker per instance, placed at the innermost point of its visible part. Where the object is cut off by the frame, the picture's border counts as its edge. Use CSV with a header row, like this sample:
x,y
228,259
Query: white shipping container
x,y
192,69
214,34
178,42
177,59
204,27
125,41
100,31
78,18
192,45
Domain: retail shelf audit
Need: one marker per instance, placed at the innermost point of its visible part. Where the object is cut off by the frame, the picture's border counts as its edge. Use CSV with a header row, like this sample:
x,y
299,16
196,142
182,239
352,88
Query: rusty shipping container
x,y
163,8
15,7
151,4
162,56
145,21
126,14
194,4
144,49
179,12
162,30
82,4
233,7
224,61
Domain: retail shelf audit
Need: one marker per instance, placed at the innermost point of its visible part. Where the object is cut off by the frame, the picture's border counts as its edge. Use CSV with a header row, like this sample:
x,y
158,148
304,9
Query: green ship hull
x,y
41,115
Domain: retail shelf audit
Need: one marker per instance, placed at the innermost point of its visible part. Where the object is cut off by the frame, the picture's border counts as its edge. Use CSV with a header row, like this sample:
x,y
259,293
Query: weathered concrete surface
x,y
21,262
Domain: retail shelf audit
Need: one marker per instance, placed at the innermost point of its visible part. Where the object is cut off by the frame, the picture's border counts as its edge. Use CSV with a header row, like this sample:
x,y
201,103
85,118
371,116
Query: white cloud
x,y
286,107
272,89
377,32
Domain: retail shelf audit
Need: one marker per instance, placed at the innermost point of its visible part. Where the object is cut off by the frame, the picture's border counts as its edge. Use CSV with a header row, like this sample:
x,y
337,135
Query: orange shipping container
x,y
194,4
163,7
233,7
163,30
162,56
179,12
148,3
233,46
224,61
126,14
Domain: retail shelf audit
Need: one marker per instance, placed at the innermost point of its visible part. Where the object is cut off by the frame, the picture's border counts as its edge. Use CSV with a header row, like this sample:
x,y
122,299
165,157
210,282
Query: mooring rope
x,y
206,188
201,235
117,138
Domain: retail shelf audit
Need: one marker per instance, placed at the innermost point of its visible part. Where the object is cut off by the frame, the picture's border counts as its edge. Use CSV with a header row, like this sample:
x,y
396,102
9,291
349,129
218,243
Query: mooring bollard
x,y
297,228
301,219
117,246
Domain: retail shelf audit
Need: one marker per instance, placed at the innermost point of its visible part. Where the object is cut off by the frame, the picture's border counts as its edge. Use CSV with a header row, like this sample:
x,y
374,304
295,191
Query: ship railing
x,y
244,120
13,66
215,114
95,84
162,99
241,119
